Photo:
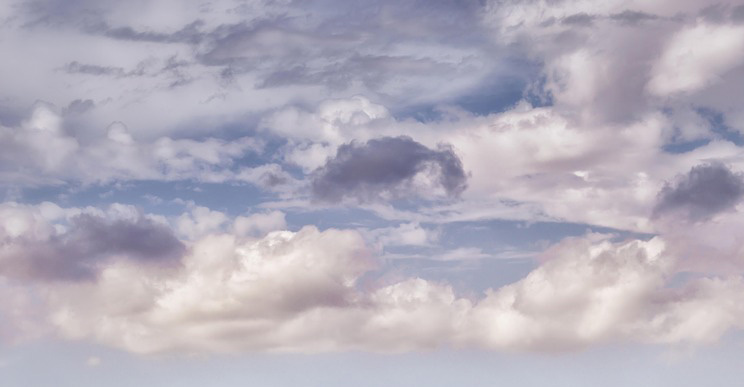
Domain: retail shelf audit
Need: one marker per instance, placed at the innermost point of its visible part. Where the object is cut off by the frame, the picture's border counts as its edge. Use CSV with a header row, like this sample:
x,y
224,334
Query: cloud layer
x,y
288,155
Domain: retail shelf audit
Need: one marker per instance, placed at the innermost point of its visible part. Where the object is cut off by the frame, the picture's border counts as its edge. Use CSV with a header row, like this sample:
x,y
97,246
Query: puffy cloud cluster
x,y
304,292
309,291
615,61
632,119
595,155
600,152
233,59
41,151
590,291
538,158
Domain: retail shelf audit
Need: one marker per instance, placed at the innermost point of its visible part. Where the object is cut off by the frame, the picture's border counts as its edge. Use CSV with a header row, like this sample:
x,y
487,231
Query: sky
x,y
371,193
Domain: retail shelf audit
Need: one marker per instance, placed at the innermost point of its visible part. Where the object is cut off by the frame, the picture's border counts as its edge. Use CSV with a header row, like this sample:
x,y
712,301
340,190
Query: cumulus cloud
x,y
229,287
200,221
592,291
387,168
309,291
705,191
306,291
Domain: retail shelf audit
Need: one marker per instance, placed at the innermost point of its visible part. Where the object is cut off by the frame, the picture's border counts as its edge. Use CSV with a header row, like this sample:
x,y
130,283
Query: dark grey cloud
x,y
190,33
737,14
579,19
386,165
75,67
627,17
632,17
704,191
90,242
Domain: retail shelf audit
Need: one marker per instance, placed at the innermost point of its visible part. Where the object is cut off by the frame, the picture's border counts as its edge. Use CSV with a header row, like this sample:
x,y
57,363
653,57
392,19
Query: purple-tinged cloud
x,y
705,191
89,242
386,167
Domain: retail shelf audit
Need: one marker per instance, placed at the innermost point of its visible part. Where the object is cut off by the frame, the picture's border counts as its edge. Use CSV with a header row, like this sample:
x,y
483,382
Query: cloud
x,y
228,288
405,234
387,168
615,87
632,17
200,221
318,291
579,19
697,57
41,151
590,290
188,34
259,224
306,291
36,249
80,68
706,190
274,55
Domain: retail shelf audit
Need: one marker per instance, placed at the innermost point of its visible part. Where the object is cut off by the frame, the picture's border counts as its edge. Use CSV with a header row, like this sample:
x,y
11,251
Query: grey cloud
x,y
80,106
91,240
704,191
632,17
715,13
737,14
190,33
248,45
586,20
372,71
75,67
385,165
722,13
579,19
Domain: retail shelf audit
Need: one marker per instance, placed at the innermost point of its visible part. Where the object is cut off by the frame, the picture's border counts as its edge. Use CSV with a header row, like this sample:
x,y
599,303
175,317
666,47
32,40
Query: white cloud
x,y
200,221
697,57
259,224
40,151
299,292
